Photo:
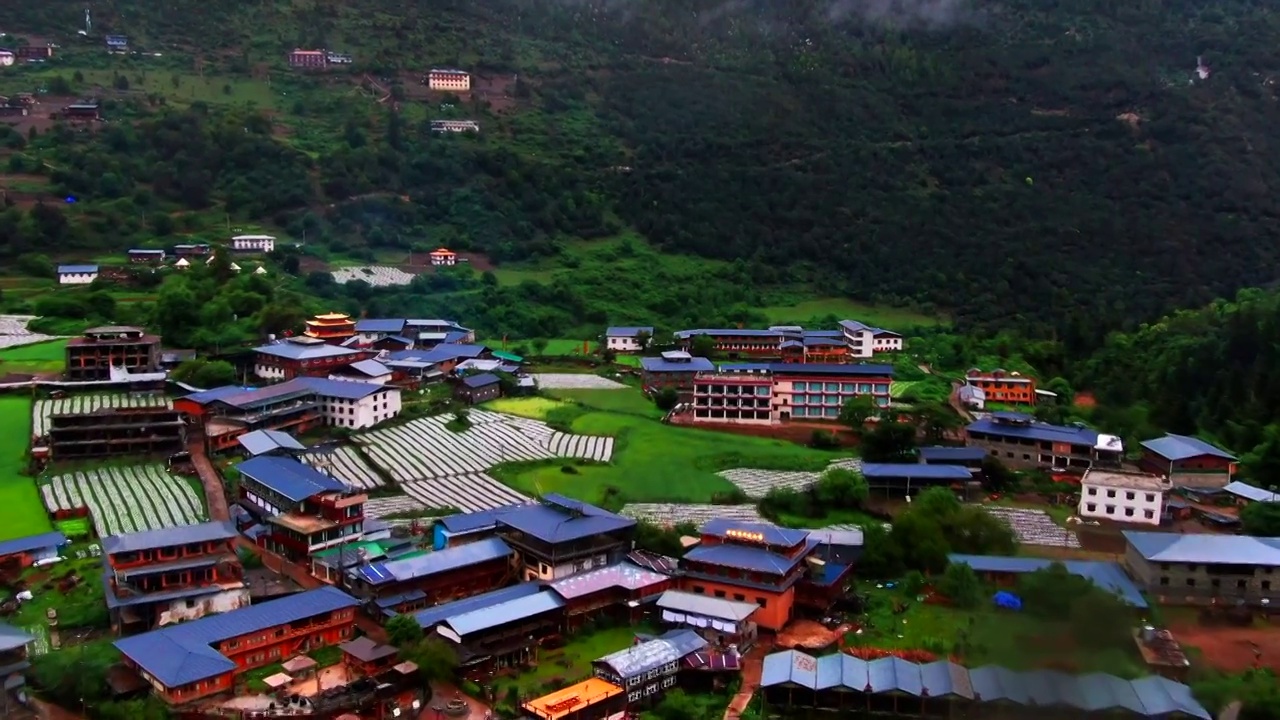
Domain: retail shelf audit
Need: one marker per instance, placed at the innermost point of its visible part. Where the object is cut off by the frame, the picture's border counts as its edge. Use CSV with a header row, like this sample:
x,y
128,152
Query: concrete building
x,y
1020,441
449,80
253,243
500,629
1122,496
865,341
1001,386
303,356
475,389
1188,461
302,509
365,371
1203,568
767,393
627,339
77,274
145,255
92,356
675,369
307,59
720,622
455,126
648,669
420,580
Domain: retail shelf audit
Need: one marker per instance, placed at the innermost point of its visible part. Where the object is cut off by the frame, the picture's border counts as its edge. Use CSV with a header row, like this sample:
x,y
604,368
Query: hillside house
x,y
449,80
627,339
302,509
117,431
720,622
1188,461
21,553
307,59
1196,569
260,244
365,371
415,582
337,58
499,629
865,341
674,369
197,659
163,577
35,53
14,663
83,110
117,43
969,457
1244,493
143,255
621,592
77,274
1003,387
907,479
455,126
194,250
972,397
92,356
270,442
475,389
303,356
768,393
1123,496
443,256
6,58
1020,441
648,669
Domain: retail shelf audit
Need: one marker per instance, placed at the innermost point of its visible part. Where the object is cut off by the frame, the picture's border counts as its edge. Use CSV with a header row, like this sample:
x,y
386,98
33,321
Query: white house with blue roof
x,y
77,274
627,339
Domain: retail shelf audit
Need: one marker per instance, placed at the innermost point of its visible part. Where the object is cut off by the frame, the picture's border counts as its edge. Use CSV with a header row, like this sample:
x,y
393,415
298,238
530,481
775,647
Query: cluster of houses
x,y
183,256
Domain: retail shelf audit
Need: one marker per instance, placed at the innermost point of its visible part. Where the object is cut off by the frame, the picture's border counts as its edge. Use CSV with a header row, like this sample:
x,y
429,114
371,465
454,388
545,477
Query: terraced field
x,y
673,514
83,404
757,483
128,499
468,493
345,463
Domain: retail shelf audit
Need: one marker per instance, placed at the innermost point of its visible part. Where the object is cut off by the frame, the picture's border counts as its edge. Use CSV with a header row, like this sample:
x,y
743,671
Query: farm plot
x,y
345,463
127,499
571,381
468,493
757,483
673,514
375,275
425,448
14,332
79,404
1035,527
383,506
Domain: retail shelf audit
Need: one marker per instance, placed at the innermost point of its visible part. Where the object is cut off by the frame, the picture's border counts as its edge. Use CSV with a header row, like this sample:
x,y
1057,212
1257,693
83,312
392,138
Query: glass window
x,y
864,387
800,399
846,387
833,387
884,402
833,412
882,389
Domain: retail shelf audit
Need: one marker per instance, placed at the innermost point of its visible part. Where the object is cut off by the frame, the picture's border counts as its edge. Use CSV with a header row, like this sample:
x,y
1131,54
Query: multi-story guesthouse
x,y
163,577
92,356
307,59
194,660
258,244
621,592
443,256
627,339
1020,441
104,432
412,583
499,629
783,343
1003,387
675,369
449,80
1123,496
864,341
77,274
1203,568
647,669
297,356
1188,461
302,510
765,393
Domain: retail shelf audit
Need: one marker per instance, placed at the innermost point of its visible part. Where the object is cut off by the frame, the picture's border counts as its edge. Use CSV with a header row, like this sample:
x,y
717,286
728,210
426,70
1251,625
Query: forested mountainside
x,y
1062,168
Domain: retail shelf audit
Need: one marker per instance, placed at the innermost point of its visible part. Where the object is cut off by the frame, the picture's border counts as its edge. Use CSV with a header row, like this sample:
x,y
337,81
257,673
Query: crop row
x,y
757,483
667,514
345,464
82,404
468,493
125,500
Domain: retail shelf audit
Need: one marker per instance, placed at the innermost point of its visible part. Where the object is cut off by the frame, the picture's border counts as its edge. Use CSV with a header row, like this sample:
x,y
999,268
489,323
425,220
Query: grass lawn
x,y
41,357
628,400
515,276
21,512
213,89
82,606
537,408
845,309
653,462
563,347
564,666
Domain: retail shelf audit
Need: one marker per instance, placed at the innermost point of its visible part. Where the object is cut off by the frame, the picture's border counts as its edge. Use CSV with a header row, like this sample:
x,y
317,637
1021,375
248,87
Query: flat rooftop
x,y
1126,480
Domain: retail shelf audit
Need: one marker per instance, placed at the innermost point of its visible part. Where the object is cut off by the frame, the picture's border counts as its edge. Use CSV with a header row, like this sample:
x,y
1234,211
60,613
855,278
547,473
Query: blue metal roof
x,y
834,369
472,521
1039,431
772,534
1106,575
940,454
1181,447
265,441
433,563
205,397
1205,548
891,674
1249,492
404,597
440,613
514,610
183,654
481,380
744,558
290,478
652,654
298,351
628,331
11,638
166,537
695,364
68,269
340,388
915,471
374,325
560,519
43,541
372,368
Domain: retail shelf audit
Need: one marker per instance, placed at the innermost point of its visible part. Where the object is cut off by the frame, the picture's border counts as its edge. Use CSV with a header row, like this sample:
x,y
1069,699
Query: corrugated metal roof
x,y
69,269
1181,447
1249,492
728,332
559,519
1205,548
481,380
165,537
944,677
653,654
913,471
434,563
891,674
712,607
404,597
620,575
372,368
520,608
344,389
12,638
1036,431
938,453
204,397
290,478
744,558
182,654
693,364
1106,575
469,522
265,441
387,325
627,331
440,613
772,534
298,351
42,541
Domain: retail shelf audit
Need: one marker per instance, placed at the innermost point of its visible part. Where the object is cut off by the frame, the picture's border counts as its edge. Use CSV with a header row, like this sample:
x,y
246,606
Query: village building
x,y
337,565
337,58
1020,441
413,583
463,528
301,509
14,663
449,80
365,371
434,364
117,43
255,244
194,250
77,274
307,59
674,369
1244,493
738,398
331,327
591,699
163,577
148,430
908,479
365,657
454,126
21,553
970,457
648,669
1002,386
83,110
500,629
1193,568
1188,461
92,356
781,343
1005,571
621,592
144,255
865,341
194,660
769,393
35,53
972,397
1123,496
475,389
559,536
627,339
722,623
270,442
303,356
443,256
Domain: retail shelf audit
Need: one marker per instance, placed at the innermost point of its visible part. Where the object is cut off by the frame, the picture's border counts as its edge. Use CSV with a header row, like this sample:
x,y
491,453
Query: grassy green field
x,y
537,408
41,357
178,88
517,275
887,317
630,400
571,663
21,512
652,462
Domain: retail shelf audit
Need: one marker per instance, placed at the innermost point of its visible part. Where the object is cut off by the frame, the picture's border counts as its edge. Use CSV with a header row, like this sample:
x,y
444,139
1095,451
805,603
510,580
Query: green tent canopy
x,y
509,357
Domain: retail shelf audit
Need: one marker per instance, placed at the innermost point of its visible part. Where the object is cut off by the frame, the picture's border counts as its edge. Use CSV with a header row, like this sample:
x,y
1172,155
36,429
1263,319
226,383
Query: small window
x,y
1191,582
1151,497
1093,491
1129,495
719,593
1128,512
1111,493
1266,584
1164,581
1091,507
1241,584
1111,509
739,597
1149,514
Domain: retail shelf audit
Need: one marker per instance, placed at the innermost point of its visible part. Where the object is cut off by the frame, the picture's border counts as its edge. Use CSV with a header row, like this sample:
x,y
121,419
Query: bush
x,y
960,583
913,582
824,440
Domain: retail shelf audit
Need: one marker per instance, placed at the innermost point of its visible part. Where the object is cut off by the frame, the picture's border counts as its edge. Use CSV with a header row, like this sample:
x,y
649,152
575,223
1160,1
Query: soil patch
x,y
308,265
1232,649
809,635
479,261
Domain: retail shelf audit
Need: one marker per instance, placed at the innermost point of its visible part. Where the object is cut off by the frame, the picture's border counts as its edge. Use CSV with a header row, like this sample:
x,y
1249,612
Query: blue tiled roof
x,y
697,364
433,563
205,397
653,654
404,597
298,351
628,331
773,535
834,369
375,325
69,269
264,441
560,519
166,537
340,388
183,654
1106,575
290,478
1039,431
1181,447
481,380
743,558
440,613
514,610
42,541
937,453
372,368
910,471
1249,492
1206,548
468,522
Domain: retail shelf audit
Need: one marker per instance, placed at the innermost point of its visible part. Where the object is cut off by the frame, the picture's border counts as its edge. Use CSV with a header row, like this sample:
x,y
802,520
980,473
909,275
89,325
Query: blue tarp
x,y
1007,600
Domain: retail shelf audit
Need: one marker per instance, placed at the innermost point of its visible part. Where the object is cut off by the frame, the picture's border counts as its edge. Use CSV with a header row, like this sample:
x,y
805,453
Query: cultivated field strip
x,y
575,381
82,404
468,493
383,506
126,499
1034,527
375,275
14,332
673,514
757,483
345,464
425,448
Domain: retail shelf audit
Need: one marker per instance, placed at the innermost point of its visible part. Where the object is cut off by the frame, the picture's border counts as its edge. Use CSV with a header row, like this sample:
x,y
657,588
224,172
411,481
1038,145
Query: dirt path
x,y
1232,649
752,668
215,495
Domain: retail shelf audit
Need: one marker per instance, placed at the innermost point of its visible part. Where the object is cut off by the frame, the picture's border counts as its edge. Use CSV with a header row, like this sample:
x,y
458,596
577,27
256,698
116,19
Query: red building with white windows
x,y
767,393
300,509
449,80
309,59
1003,387
297,356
